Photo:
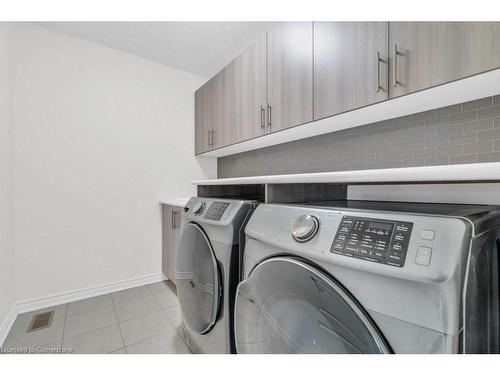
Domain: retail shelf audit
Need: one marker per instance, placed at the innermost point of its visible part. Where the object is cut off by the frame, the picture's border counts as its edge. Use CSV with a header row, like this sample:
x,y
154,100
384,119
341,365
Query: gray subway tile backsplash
x,y
478,103
424,115
449,150
449,110
488,157
485,135
463,159
462,133
464,116
489,112
476,148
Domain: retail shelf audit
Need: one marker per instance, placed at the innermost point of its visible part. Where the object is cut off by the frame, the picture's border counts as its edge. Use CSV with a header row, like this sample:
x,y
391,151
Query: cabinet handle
x,y
269,117
262,119
174,215
378,72
213,143
209,135
395,54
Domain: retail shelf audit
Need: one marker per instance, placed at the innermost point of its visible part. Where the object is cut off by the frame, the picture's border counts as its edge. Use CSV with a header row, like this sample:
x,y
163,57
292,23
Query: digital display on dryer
x,y
380,225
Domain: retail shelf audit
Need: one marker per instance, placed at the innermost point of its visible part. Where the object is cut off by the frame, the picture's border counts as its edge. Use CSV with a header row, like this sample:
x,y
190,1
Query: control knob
x,y
199,208
305,228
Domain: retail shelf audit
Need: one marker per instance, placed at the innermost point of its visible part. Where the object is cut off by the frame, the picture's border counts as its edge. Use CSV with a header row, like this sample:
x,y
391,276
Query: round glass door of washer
x,y
287,305
198,280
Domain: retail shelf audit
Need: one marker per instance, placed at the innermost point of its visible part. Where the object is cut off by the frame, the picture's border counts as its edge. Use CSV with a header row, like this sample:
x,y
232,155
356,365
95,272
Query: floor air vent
x,y
40,321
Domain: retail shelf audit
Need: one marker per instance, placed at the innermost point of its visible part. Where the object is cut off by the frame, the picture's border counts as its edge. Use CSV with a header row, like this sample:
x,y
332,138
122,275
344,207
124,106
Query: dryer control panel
x,y
216,210
378,241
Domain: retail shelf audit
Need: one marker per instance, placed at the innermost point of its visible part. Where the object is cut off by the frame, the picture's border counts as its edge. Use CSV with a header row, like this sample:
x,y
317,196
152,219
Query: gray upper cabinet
x,y
350,66
215,112
203,118
290,74
303,71
426,54
223,108
251,93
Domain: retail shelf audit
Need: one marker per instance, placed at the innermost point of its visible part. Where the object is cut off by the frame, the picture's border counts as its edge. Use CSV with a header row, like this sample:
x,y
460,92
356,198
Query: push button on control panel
x,y
423,255
380,241
427,234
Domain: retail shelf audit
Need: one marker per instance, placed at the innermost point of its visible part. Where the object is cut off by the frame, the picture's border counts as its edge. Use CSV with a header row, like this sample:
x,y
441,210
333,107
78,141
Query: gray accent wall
x,y
462,133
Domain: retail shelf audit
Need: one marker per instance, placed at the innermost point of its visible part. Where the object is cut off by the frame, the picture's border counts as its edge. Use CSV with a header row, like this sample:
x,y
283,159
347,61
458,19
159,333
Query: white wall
x,y
99,137
7,282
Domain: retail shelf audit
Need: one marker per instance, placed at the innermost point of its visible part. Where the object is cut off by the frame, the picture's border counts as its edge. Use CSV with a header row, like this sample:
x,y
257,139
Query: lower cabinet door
x,y
170,239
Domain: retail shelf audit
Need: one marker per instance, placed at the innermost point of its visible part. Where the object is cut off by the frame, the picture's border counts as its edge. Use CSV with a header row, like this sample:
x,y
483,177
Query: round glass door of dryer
x,y
198,280
287,305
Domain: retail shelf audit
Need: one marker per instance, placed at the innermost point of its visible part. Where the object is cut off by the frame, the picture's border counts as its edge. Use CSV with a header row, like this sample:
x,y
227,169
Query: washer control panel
x,y
216,211
380,241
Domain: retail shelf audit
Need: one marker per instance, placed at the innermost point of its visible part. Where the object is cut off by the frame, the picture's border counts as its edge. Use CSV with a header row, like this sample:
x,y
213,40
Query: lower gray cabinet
x,y
171,219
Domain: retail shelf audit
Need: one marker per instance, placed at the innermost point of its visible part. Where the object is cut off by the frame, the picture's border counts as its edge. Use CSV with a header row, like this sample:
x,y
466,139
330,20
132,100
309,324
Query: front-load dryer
x,y
370,277
207,271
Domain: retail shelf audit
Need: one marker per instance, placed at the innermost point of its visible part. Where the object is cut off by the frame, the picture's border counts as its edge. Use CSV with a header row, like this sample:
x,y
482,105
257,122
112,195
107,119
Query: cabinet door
x,y
426,54
171,220
203,117
350,66
173,242
167,232
290,74
250,86
224,108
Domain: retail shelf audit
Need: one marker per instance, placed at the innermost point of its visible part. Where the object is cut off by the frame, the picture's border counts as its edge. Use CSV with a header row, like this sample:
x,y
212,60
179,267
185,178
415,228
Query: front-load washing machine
x,y
207,271
370,277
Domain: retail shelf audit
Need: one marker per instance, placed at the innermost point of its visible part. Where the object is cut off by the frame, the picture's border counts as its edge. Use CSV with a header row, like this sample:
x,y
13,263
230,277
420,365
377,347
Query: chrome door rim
x,y
350,300
217,287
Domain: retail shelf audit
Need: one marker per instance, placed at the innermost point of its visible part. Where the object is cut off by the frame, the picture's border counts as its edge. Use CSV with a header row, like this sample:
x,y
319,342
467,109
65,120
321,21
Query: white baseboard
x,y
75,295
7,323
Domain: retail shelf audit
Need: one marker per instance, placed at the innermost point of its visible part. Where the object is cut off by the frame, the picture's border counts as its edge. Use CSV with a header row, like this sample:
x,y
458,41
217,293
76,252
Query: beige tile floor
x,y
140,320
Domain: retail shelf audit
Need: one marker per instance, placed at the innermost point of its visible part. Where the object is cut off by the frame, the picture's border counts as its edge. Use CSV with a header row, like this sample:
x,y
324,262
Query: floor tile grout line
x,y
64,325
92,330
118,323
174,324
66,307
133,300
126,320
158,335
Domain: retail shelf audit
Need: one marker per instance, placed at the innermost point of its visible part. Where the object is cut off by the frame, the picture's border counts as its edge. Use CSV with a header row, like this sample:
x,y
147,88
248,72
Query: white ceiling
x,y
202,48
